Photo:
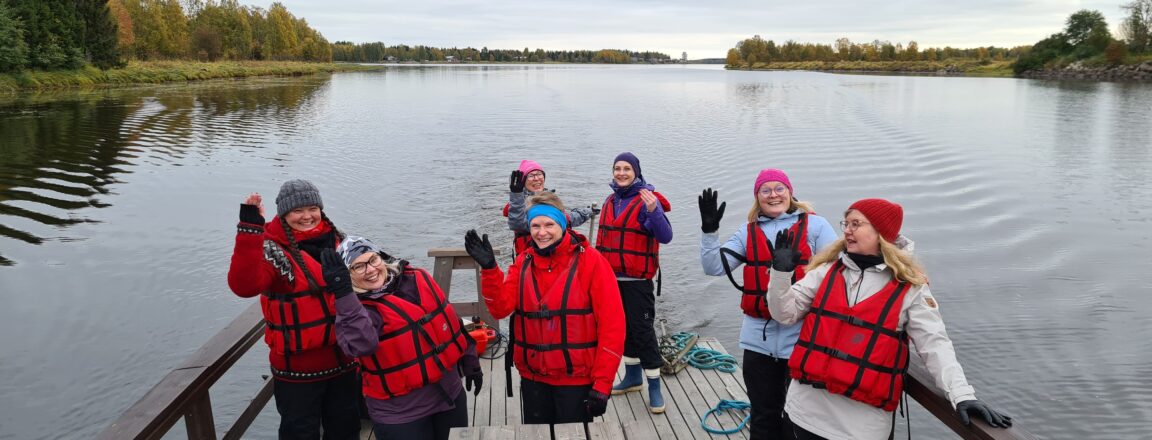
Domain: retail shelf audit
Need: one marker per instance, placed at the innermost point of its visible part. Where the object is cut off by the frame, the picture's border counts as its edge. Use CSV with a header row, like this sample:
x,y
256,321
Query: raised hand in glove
x,y
252,210
480,249
336,277
596,403
995,419
785,255
516,182
710,215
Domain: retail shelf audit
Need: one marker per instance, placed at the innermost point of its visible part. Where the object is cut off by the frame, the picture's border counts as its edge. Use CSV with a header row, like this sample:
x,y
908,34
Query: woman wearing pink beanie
x,y
766,342
861,302
525,182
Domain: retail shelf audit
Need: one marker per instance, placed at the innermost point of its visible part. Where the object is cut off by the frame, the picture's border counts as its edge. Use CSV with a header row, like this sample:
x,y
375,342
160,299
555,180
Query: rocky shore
x,y
1134,72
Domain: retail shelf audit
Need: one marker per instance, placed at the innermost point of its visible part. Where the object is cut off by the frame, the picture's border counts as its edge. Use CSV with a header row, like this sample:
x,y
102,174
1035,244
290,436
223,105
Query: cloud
x,y
703,29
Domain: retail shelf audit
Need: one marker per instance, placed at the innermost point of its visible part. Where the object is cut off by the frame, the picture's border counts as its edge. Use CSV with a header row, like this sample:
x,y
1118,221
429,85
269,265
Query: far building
x,y
684,57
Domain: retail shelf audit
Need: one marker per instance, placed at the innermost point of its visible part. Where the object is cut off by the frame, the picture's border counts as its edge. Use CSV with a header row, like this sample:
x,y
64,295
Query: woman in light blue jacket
x,y
767,344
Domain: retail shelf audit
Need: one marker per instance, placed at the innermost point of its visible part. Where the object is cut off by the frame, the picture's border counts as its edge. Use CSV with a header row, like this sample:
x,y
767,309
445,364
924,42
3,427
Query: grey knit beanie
x,y
353,247
297,193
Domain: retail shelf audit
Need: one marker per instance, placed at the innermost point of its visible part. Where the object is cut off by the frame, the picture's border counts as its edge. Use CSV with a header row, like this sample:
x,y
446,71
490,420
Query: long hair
x,y
793,205
904,266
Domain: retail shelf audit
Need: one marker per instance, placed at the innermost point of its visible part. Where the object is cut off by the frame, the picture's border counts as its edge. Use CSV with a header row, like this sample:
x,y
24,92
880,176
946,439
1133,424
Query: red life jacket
x,y
554,331
859,351
419,343
622,240
758,257
300,320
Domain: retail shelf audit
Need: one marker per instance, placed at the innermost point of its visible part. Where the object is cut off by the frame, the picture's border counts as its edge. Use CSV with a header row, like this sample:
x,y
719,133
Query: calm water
x,y
1030,203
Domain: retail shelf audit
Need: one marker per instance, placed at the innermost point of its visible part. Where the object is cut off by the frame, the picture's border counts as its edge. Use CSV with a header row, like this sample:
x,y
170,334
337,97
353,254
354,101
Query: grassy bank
x,y
970,68
163,71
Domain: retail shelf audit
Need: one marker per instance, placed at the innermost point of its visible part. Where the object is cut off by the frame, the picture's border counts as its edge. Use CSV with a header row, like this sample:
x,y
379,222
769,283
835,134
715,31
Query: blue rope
x,y
706,359
726,405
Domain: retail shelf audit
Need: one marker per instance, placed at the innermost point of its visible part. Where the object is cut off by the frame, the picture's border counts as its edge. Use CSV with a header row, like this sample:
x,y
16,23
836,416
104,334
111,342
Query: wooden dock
x,y
688,396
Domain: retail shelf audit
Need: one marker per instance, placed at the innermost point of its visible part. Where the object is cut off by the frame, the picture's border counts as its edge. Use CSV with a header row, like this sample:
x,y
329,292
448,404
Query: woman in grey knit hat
x,y
316,385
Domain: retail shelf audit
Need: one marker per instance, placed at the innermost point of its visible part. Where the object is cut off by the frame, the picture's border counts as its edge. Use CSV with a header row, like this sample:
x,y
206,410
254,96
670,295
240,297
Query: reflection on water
x,y
59,157
1029,202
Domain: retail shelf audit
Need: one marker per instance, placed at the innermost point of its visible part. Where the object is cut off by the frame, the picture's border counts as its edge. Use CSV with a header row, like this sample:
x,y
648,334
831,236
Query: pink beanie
x,y
886,217
528,166
769,175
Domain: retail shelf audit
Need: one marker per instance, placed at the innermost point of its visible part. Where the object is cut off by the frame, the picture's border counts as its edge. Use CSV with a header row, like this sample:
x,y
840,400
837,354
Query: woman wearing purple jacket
x,y
632,228
411,344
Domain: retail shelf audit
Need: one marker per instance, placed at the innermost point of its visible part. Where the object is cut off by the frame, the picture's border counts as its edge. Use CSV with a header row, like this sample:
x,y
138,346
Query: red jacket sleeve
x,y
249,274
506,206
499,292
610,327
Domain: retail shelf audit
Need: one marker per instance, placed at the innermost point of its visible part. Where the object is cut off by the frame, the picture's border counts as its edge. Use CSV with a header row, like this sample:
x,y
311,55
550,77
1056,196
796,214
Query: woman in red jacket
x,y
315,383
567,326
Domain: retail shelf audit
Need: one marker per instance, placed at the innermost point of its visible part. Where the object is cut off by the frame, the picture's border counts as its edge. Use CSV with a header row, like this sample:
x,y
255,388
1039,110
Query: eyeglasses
x,y
362,267
535,175
852,225
779,190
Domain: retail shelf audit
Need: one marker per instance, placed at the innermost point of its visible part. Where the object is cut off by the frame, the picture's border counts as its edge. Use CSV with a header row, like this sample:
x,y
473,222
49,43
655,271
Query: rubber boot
x,y
655,398
633,380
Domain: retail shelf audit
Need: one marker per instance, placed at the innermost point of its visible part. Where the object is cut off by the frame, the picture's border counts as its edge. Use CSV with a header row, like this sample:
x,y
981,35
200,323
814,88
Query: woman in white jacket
x,y
861,302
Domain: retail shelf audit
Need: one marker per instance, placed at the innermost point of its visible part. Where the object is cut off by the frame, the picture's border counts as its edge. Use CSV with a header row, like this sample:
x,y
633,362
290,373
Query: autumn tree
x,y
1136,29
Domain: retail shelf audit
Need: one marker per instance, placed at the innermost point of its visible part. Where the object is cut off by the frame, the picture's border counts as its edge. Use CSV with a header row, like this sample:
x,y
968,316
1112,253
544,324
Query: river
x,y
1030,202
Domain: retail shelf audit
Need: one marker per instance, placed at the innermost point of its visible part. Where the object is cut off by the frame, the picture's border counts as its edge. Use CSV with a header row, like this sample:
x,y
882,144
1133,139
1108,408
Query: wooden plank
x,y
366,430
681,411
708,399
497,396
498,433
663,425
483,402
721,383
919,385
198,419
513,414
639,430
447,252
240,426
606,431
533,432
467,433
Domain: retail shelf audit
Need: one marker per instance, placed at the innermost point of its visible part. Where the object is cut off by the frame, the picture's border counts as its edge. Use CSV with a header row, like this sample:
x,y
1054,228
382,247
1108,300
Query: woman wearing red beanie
x,y
861,302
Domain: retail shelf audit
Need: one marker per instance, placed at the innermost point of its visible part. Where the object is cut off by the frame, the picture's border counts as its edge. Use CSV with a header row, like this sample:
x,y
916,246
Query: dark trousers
x,y
433,427
552,404
306,407
767,380
803,434
640,314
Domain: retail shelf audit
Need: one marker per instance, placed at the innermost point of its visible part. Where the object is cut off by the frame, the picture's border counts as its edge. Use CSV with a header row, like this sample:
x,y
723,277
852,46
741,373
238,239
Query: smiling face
x,y
303,219
545,231
774,198
368,272
859,235
623,174
534,181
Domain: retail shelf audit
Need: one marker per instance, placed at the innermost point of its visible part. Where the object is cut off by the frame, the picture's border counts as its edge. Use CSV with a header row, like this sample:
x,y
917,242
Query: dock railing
x,y
184,391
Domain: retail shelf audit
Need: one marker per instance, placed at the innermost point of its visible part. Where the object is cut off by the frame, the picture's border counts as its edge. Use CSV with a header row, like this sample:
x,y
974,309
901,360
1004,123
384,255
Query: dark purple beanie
x,y
632,160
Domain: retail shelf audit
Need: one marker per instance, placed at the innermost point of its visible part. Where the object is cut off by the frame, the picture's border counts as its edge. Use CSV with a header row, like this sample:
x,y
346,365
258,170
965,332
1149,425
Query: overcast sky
x,y
702,28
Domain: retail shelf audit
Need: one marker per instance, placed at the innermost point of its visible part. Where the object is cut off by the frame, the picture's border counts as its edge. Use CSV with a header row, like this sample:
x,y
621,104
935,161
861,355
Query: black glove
x,y
475,379
785,256
596,403
480,249
516,182
709,215
251,214
336,276
595,209
995,419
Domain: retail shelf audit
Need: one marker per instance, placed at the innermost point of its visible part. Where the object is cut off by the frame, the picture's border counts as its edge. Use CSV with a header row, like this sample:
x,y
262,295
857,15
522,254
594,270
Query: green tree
x,y
13,49
100,34
52,32
283,42
1087,32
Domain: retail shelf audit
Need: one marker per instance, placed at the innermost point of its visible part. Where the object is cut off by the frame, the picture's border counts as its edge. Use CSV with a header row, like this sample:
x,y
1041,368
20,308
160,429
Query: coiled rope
x,y
727,405
707,359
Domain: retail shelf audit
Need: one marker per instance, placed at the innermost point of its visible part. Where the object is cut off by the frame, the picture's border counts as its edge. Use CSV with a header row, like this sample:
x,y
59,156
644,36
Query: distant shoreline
x,y
996,69
156,72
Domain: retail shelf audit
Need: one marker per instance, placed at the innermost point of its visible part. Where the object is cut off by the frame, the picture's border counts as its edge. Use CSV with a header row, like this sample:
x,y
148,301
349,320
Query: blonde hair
x,y
547,198
793,205
904,266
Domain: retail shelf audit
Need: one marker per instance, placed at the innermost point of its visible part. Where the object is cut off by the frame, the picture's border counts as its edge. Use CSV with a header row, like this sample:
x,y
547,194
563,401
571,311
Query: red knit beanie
x,y
886,217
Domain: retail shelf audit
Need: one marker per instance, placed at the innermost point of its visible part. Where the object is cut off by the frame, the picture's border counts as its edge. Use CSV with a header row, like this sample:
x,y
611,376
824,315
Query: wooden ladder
x,y
453,259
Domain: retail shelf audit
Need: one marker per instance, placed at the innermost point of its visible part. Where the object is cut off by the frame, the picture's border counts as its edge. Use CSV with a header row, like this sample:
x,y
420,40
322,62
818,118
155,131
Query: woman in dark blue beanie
x,y
632,227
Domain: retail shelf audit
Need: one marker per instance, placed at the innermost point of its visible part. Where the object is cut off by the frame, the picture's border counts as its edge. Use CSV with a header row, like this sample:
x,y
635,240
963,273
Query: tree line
x,y
1086,38
757,50
379,52
66,34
